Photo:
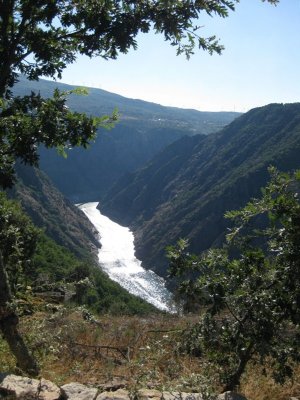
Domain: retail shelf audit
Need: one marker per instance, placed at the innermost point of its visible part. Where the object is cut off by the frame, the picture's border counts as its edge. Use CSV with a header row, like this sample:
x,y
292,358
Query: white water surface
x,y
117,259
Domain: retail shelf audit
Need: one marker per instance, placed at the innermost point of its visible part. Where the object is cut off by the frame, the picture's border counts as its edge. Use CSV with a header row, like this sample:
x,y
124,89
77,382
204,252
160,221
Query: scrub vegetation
x,y
71,344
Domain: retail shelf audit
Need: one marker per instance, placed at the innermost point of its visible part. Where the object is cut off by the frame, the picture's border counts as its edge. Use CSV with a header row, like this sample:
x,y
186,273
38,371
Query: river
x,y
117,259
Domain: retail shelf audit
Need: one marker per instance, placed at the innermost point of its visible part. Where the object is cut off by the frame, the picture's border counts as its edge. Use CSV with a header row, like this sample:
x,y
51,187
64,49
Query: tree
x,y
251,287
41,37
17,243
18,238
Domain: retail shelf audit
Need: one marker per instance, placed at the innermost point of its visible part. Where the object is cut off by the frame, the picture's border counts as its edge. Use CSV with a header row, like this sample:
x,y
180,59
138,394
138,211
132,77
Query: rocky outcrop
x,y
120,394
77,391
23,388
19,387
231,396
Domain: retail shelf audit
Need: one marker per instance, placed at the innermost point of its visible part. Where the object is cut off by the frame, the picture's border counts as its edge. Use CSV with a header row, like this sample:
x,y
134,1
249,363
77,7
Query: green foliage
x,y
28,121
57,266
112,298
55,261
18,238
252,286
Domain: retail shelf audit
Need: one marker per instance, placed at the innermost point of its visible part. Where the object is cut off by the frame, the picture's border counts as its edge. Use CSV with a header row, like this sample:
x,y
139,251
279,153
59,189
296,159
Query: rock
x,y
113,385
181,396
231,396
18,387
77,391
147,394
119,394
27,388
191,396
170,395
51,296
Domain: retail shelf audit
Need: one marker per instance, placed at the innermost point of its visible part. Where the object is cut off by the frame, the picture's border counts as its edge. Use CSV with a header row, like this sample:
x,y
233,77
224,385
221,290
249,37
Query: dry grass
x,y
257,386
72,346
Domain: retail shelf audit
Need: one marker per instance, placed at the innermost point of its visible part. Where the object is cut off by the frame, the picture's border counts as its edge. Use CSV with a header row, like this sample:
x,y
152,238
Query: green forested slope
x,y
214,174
143,129
55,267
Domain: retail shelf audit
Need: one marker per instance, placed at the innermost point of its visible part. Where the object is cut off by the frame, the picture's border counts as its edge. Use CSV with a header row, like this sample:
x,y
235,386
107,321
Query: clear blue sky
x,y
260,63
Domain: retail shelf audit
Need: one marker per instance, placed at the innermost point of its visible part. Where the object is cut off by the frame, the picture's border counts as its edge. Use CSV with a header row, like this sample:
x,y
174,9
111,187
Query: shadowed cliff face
x,y
50,210
186,189
143,130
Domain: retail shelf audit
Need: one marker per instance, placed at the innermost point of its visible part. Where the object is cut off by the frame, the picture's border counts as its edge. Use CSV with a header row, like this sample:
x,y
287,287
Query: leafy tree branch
x,y
251,287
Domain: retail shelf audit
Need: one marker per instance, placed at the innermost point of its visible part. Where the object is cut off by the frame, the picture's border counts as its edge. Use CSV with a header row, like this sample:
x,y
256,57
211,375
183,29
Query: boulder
x,y
18,387
181,396
231,396
77,391
149,394
119,394
26,388
112,385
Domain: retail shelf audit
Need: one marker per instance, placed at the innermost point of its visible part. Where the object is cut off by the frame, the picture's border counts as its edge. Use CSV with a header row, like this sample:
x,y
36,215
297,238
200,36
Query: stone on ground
x,y
231,396
77,391
26,388
119,394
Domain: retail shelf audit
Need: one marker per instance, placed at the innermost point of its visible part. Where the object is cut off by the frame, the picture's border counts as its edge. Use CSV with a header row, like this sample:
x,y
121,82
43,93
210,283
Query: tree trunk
x,y
9,327
234,380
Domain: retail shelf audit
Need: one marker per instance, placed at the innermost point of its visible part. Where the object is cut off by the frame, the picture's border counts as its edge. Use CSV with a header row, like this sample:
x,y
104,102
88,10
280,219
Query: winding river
x,y
117,259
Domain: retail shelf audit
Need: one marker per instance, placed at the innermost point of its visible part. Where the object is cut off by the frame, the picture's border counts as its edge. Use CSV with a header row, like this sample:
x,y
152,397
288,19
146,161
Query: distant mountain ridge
x,y
185,190
99,101
143,130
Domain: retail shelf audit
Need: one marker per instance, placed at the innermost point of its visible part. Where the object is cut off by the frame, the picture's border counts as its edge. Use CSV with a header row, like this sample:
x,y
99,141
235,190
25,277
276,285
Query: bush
x,y
252,286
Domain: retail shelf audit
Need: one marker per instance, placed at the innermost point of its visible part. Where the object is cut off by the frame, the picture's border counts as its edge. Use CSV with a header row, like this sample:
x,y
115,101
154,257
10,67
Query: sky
x,y
260,63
